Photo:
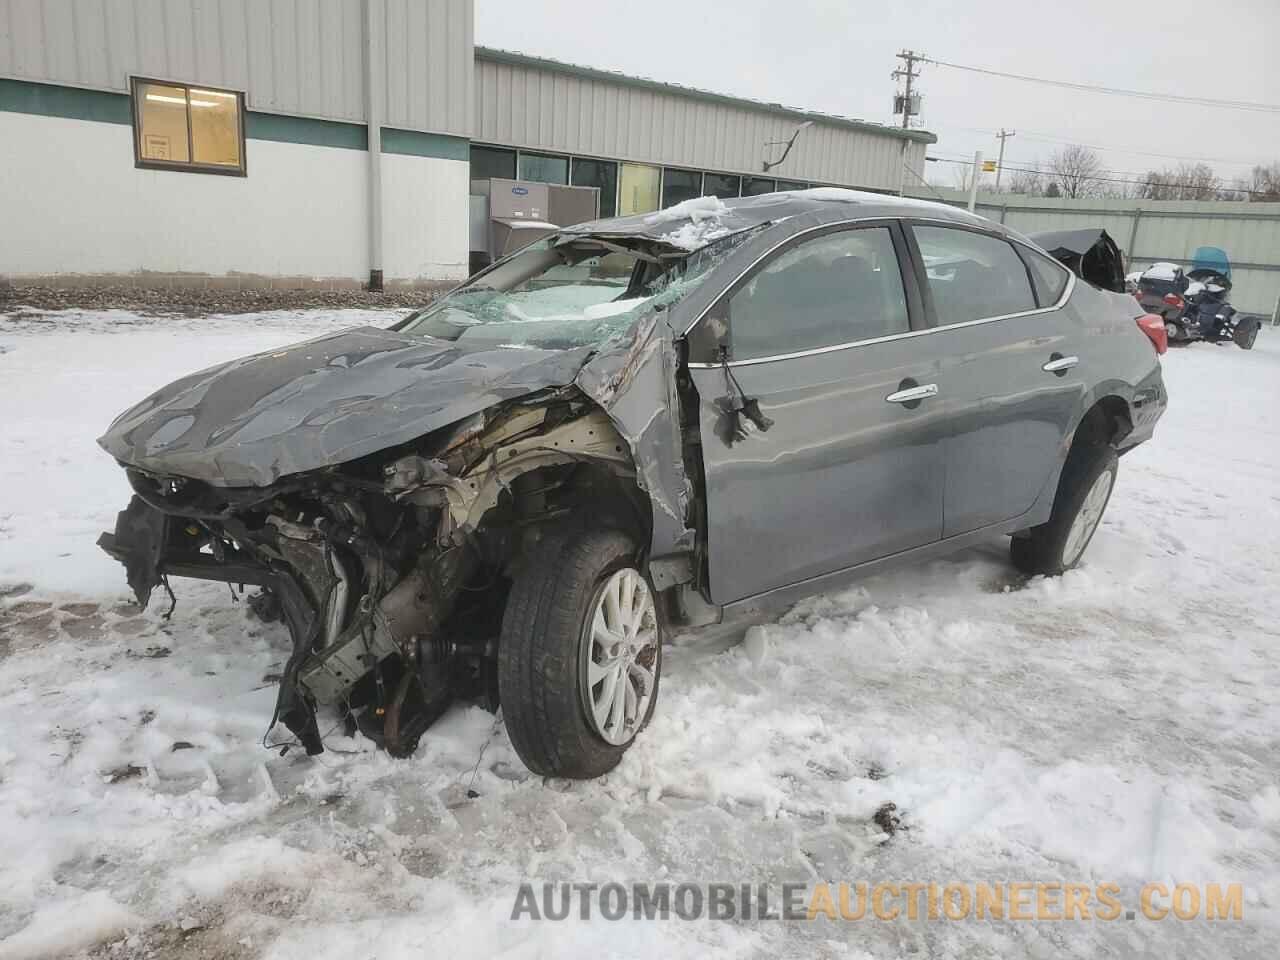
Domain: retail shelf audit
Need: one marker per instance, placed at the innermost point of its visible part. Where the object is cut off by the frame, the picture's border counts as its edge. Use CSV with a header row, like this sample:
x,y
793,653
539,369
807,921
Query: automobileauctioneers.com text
x,y
863,901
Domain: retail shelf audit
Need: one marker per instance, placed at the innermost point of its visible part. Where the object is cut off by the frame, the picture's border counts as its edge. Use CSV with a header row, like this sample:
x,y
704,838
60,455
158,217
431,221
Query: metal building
x,y
330,142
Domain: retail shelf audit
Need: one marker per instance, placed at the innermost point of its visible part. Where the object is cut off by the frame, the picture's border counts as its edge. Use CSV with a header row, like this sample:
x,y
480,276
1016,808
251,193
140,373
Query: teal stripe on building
x,y
306,130
414,144
72,103
100,106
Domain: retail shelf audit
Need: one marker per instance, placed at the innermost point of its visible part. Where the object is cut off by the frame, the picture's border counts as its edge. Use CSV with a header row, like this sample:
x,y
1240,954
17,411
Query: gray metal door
x,y
850,467
1007,357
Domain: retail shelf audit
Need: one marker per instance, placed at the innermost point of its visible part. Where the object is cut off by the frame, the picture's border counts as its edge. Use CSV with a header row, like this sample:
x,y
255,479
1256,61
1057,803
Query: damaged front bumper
x,y
389,572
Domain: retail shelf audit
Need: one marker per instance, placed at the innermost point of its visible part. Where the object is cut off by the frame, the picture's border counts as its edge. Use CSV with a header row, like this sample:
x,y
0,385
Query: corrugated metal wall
x,y
303,57
1151,230
544,107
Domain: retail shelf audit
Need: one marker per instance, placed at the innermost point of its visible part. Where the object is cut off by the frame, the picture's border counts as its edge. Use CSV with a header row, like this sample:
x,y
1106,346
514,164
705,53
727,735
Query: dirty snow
x,y
1116,724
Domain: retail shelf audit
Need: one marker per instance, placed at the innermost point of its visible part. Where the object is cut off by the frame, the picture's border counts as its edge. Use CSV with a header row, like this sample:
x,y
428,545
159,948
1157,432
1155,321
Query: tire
x,y
1050,548
1246,341
544,647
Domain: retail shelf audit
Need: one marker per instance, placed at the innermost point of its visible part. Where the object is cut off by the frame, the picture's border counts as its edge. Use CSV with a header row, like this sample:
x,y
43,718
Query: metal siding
x,y
1166,230
541,108
303,57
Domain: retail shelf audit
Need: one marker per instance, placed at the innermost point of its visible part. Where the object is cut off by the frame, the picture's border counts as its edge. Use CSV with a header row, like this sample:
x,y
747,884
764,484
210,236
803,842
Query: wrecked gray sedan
x,y
675,419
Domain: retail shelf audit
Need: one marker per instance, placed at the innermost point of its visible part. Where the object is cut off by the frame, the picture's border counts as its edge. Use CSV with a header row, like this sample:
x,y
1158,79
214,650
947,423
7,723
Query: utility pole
x,y
973,184
908,73
1003,135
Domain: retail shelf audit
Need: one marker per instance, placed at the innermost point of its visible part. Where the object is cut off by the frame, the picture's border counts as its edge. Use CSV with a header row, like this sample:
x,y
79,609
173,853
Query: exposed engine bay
x,y
390,571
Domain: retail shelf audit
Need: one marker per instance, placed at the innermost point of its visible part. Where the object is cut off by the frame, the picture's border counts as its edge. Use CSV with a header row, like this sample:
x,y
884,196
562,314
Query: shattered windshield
x,y
560,293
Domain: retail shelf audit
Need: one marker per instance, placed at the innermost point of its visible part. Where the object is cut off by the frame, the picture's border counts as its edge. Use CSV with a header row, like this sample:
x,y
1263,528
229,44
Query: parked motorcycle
x,y
1194,304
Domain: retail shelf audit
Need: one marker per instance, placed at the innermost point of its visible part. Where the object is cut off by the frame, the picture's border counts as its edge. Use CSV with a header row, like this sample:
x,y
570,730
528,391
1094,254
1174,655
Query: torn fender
x,y
635,383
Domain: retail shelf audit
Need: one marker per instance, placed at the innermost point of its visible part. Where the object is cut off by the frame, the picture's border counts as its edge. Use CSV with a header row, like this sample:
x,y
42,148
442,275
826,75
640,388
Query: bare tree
x,y
962,176
1187,181
1076,171
1264,183
1028,181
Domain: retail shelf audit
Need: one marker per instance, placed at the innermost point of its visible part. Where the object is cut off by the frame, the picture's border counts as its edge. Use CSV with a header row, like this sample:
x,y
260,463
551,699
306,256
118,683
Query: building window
x,y
754,186
544,168
492,163
638,188
721,185
602,174
680,185
180,127
792,185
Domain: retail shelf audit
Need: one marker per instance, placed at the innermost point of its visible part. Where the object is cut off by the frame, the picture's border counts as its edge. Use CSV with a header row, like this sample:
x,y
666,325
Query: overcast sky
x,y
836,56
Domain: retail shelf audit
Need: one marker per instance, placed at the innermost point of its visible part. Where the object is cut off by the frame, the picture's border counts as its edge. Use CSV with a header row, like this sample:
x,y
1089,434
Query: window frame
x,y
494,148
189,165
1026,252
705,345
544,155
922,276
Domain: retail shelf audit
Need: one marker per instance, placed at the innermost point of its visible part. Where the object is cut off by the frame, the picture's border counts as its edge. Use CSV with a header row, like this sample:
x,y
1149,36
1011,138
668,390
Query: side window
x,y
1048,275
971,275
835,289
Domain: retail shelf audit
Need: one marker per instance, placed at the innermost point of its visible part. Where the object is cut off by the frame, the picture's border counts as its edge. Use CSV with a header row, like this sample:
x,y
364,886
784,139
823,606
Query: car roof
x,y
695,223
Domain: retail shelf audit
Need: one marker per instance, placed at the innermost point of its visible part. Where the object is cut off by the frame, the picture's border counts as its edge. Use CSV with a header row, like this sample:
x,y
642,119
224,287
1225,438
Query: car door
x,y
820,334
1008,379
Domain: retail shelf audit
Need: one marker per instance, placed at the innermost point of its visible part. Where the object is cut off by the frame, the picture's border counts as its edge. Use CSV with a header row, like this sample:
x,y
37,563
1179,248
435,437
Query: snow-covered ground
x,y
1119,724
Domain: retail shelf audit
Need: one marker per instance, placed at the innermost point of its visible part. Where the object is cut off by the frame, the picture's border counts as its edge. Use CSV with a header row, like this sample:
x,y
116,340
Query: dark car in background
x,y
692,416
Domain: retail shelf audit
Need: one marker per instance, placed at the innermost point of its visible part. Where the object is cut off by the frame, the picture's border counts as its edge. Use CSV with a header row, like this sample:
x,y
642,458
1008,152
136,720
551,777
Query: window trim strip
x,y
905,223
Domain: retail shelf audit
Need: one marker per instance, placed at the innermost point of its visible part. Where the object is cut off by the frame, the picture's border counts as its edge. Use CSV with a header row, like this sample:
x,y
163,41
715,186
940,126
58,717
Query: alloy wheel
x,y
619,655
1087,518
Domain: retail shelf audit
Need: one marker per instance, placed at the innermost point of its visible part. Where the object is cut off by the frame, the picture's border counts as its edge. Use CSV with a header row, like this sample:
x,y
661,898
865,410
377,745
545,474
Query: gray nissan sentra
x,y
636,424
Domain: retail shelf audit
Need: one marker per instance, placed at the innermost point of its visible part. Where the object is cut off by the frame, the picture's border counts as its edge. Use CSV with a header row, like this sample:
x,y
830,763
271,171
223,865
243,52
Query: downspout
x,y
373,70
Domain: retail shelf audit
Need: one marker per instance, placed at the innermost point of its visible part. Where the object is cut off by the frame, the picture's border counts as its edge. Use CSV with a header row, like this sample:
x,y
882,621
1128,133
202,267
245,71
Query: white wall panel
x,y
111,217
73,202
425,217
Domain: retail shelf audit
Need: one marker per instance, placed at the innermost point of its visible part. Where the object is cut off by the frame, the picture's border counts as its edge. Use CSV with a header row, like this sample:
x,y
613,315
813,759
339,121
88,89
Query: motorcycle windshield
x,y
1211,260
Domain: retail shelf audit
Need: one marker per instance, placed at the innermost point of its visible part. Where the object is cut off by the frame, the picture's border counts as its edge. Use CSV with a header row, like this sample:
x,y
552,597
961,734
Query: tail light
x,y
1153,327
1173,300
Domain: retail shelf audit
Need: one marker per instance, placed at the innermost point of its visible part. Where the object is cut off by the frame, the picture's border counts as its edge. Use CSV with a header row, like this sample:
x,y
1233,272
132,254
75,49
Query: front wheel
x,y
580,655
1083,494
1245,341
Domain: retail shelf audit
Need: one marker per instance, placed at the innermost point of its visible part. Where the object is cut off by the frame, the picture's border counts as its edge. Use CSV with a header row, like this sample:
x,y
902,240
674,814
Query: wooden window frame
x,y
185,166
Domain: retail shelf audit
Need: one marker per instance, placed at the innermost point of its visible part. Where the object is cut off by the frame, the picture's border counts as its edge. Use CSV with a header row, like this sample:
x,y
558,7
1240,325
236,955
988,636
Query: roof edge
x,y
515,58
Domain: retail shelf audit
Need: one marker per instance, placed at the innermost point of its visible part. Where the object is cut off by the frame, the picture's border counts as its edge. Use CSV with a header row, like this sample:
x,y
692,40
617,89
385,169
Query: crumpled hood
x,y
323,402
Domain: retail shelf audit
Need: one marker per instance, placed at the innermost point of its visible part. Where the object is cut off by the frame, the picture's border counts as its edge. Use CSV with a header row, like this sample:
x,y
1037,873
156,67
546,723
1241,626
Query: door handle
x,y
913,394
1060,364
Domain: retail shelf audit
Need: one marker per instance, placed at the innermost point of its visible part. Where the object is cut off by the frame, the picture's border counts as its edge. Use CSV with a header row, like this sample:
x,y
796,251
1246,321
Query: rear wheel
x,y
580,655
1083,494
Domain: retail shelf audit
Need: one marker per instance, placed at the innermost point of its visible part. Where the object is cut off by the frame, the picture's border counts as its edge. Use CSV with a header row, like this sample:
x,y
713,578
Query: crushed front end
x,y
389,571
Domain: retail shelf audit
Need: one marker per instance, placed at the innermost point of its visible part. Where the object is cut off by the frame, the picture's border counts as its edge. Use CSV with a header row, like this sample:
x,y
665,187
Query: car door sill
x,y
753,607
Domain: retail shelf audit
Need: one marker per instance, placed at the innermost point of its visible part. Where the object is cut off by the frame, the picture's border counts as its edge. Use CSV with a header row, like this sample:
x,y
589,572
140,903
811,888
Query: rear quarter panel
x,y
1116,360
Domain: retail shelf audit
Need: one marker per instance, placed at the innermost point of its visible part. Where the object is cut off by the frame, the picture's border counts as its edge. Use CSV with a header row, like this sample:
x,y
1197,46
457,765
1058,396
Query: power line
x,y
1141,175
1113,148
1116,91
1050,175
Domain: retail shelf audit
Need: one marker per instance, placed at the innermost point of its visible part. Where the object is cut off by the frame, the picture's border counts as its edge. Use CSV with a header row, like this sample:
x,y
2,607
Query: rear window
x,y
972,276
1047,275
